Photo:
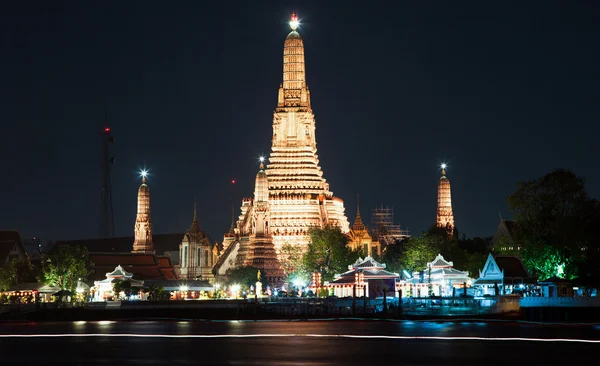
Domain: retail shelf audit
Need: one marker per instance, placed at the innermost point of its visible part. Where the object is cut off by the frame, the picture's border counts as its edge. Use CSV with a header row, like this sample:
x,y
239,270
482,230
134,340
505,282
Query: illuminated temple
x,y
445,217
297,197
143,222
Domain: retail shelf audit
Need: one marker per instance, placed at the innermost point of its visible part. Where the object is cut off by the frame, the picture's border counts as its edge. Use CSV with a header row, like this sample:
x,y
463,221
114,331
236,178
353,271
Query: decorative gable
x,y
440,262
491,269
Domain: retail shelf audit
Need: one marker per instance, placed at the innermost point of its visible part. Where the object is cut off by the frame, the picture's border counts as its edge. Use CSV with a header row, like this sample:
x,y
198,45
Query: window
x,y
184,261
199,260
206,257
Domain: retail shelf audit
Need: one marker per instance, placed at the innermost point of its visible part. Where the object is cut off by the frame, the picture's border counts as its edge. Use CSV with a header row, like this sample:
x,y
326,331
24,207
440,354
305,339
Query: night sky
x,y
501,93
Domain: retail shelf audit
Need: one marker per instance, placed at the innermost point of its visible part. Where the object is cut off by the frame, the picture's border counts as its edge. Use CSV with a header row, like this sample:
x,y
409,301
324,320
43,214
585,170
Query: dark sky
x,y
501,92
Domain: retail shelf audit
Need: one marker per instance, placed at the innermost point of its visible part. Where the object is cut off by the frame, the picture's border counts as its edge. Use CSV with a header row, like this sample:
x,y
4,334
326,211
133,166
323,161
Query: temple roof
x,y
512,266
162,243
194,233
348,277
368,262
10,240
119,272
142,266
440,262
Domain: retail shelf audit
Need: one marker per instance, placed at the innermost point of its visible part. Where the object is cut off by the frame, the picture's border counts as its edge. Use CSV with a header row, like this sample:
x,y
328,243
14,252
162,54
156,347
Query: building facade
x,y
360,239
196,254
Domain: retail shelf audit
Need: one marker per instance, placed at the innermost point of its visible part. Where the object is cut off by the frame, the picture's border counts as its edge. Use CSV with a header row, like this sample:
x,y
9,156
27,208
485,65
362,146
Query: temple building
x,y
103,289
445,217
197,255
368,276
254,244
360,239
142,261
297,197
143,222
440,278
503,274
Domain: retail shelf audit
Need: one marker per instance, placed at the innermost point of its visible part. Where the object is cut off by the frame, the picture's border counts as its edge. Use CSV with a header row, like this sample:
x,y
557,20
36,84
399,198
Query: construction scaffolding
x,y
384,228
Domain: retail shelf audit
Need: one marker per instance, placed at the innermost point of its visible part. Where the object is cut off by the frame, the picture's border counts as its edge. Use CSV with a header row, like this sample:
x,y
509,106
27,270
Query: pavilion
x,y
440,276
369,276
105,289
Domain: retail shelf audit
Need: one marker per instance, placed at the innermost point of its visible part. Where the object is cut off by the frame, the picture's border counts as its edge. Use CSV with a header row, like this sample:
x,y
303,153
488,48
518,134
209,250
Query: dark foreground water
x,y
297,343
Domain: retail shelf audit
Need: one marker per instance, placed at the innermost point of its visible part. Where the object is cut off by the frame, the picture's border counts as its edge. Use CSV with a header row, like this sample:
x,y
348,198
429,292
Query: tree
x,y
419,251
557,224
292,261
328,252
65,267
393,255
245,276
124,286
9,274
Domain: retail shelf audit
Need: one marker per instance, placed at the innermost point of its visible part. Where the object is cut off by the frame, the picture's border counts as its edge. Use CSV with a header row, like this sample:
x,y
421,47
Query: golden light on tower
x,y
143,222
445,217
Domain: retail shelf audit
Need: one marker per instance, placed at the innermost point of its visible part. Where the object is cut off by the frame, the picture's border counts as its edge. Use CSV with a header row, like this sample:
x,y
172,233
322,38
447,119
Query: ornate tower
x,y
196,257
143,223
257,249
299,196
359,237
445,218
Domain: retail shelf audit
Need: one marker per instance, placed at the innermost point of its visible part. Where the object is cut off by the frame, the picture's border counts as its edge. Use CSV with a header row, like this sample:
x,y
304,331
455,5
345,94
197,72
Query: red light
x,y
233,181
106,129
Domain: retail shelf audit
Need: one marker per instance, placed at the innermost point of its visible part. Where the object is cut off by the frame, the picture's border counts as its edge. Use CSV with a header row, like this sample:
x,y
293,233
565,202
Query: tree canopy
x,y
65,267
328,252
245,277
557,224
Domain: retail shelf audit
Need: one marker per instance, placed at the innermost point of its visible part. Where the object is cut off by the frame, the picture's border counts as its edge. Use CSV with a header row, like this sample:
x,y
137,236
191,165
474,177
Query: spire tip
x,y
294,22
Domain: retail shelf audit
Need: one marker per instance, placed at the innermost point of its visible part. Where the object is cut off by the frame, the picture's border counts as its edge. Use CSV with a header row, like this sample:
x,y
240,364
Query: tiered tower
x,y
299,196
445,218
143,222
259,251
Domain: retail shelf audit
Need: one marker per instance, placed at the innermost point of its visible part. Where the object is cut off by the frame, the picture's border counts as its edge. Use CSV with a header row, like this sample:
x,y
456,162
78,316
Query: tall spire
x,y
194,229
143,222
445,217
195,215
294,92
261,187
358,223
232,228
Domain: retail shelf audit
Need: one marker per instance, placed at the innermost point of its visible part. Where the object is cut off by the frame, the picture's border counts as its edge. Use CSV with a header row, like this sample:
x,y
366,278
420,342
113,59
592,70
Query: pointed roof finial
x,y
195,215
294,22
443,166
231,229
261,159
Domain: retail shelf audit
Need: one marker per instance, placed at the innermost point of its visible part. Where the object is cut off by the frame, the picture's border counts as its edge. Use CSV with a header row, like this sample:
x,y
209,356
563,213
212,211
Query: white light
x,y
444,165
144,173
217,285
261,159
183,288
294,22
298,283
271,335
